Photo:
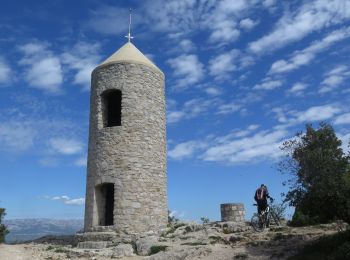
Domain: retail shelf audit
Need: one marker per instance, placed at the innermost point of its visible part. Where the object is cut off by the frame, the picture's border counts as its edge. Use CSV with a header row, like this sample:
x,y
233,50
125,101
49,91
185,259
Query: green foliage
x,y
241,256
3,229
320,181
157,249
335,247
300,219
172,219
205,220
194,244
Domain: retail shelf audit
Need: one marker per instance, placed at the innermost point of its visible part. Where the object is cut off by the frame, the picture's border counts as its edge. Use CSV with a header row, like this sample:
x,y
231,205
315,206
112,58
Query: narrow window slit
x,y
112,108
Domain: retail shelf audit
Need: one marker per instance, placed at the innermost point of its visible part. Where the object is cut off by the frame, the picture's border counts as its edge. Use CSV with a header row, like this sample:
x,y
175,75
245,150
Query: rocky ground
x,y
218,241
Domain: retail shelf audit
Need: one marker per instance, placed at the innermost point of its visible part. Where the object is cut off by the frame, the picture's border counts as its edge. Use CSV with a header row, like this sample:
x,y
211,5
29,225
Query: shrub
x,y
332,247
157,249
3,228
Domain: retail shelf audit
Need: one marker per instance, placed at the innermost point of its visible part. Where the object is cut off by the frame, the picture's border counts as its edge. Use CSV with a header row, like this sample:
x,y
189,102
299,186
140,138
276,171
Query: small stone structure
x,y
126,173
232,212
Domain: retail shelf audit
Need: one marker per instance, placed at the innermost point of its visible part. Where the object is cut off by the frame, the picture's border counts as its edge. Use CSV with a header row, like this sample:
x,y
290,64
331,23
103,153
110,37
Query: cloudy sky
x,y
241,77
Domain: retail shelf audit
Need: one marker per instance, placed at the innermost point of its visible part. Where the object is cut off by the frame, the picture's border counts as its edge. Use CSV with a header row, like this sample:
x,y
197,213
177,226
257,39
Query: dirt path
x,y
15,252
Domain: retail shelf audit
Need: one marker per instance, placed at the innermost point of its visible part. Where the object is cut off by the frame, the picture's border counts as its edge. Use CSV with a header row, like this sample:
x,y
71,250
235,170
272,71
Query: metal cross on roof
x,y
129,34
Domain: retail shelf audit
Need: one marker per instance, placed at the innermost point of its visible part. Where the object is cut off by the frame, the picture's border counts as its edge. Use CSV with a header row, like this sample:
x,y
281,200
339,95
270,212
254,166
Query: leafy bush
x,y
3,228
320,176
300,219
205,220
157,249
171,219
335,247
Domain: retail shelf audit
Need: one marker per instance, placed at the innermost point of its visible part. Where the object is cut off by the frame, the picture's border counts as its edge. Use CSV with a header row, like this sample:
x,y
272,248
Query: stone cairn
x,y
232,212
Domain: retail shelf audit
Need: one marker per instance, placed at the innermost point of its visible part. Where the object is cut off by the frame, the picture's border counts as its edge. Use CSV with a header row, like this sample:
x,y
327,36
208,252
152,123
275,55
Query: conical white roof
x,y
129,53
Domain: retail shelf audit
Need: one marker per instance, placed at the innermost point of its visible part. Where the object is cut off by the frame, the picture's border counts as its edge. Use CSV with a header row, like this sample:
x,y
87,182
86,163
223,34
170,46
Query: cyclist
x,y
261,195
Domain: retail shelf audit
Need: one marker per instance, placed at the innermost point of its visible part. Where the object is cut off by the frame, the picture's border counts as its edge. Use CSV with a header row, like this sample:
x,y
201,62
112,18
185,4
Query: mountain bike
x,y
266,218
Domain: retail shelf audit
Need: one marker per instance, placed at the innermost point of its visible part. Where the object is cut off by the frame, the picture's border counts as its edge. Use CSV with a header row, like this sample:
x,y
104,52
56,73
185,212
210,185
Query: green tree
x,y
3,229
320,181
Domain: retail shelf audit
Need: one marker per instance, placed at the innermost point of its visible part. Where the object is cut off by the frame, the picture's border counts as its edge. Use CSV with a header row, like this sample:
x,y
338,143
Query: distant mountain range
x,y
29,229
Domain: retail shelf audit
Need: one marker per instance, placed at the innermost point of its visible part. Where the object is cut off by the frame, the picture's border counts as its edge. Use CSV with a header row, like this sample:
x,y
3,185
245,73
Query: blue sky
x,y
241,77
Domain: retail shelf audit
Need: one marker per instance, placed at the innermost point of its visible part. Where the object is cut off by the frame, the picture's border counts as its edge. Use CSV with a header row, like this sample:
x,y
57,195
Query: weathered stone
x,y
143,245
92,244
122,250
126,180
232,212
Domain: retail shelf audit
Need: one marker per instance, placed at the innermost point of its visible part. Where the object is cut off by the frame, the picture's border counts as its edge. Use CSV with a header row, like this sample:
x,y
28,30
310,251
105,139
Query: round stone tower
x,y
126,172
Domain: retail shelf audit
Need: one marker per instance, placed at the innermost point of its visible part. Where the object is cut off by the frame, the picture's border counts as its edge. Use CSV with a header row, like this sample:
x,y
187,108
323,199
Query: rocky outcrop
x,y
191,241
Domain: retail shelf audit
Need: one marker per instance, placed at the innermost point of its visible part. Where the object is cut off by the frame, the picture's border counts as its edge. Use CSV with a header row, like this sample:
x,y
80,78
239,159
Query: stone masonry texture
x,y
232,212
131,156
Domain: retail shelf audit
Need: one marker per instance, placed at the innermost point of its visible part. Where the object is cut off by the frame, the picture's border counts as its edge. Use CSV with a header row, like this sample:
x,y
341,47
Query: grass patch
x,y
50,248
241,256
179,225
194,244
60,250
225,230
188,229
332,247
157,249
217,239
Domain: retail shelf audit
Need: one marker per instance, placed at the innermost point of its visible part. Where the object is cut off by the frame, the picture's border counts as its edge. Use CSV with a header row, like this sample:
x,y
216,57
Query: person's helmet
x,y
262,185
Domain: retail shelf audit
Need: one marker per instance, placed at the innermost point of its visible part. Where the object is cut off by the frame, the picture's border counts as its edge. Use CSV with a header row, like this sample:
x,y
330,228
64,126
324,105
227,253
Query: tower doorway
x,y
105,203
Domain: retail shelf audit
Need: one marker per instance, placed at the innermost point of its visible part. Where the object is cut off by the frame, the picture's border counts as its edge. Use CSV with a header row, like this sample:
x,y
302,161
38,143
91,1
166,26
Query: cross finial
x,y
129,34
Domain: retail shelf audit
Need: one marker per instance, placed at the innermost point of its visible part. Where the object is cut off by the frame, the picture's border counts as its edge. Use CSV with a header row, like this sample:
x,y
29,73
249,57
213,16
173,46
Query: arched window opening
x,y
112,108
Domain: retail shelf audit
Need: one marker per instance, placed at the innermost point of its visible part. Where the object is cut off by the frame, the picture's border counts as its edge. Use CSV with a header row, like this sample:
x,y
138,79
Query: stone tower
x,y
126,172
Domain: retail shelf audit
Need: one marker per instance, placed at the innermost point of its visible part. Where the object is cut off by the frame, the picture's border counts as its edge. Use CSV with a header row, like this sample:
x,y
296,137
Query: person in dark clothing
x,y
261,195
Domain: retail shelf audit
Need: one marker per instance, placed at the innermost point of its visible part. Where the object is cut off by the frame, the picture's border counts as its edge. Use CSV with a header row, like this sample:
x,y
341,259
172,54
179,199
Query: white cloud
x,y
238,147
187,45
297,89
82,161
42,68
222,65
16,136
5,73
318,113
247,24
184,150
294,25
269,3
268,84
213,91
111,20
67,200
260,146
342,119
188,70
220,18
82,59
334,78
65,146
228,108
345,139
305,56
49,161
191,108
310,115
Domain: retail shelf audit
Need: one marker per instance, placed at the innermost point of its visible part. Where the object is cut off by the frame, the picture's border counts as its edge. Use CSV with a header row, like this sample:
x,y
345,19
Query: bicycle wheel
x,y
257,223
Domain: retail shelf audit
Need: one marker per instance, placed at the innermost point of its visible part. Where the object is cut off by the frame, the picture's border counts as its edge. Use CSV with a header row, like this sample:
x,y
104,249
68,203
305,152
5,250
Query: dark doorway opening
x,y
105,203
112,108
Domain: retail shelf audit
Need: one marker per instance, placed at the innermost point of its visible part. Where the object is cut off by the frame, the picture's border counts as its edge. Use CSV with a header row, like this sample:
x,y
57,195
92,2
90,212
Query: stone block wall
x,y
131,156
232,212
